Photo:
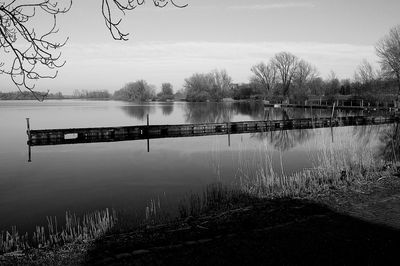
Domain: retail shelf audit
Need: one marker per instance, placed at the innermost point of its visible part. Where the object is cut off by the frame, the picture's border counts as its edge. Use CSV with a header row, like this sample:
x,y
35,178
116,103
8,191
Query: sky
x,y
170,44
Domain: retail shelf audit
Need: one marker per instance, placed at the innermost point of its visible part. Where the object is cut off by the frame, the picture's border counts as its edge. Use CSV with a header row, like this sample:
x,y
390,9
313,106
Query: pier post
x,y
28,131
228,125
333,110
29,153
147,129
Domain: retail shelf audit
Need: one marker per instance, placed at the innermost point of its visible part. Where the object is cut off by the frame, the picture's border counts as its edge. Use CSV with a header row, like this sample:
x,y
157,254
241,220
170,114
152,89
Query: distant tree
x,y
316,86
305,73
135,91
332,85
166,89
345,86
180,94
221,84
166,93
211,86
365,73
264,76
243,91
198,87
368,79
388,51
286,64
95,94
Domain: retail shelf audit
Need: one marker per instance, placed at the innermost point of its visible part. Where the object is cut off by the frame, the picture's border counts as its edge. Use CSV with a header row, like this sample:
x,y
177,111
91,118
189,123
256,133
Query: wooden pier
x,y
111,134
339,107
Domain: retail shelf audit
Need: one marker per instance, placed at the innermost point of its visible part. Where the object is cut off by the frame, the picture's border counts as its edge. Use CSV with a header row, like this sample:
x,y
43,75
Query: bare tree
x,y
27,53
286,64
305,73
264,76
109,7
365,73
221,84
388,51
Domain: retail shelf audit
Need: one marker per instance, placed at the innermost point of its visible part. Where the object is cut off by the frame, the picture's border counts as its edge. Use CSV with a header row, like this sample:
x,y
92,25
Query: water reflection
x,y
285,140
225,112
255,110
208,112
139,111
167,108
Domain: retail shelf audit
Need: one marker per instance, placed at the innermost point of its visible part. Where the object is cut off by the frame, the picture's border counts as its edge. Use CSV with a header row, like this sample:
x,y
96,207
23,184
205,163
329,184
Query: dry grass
x,y
347,161
86,228
214,196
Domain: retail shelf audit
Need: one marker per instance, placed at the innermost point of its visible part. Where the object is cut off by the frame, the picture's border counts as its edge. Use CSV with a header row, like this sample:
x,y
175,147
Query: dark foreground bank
x,y
341,228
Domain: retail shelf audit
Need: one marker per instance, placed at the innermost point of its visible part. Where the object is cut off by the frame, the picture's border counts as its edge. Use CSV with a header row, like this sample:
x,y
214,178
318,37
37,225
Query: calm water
x,y
85,177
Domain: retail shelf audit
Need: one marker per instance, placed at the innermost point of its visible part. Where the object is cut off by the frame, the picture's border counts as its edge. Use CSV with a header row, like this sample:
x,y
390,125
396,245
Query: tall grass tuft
x,y
86,228
343,162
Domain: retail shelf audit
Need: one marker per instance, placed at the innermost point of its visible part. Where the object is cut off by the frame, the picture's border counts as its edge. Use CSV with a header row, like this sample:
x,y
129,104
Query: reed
x,y
214,196
342,163
86,228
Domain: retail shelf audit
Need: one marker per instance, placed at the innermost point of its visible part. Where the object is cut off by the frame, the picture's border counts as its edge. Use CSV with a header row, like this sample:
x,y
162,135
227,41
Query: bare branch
x,y
28,54
109,6
388,51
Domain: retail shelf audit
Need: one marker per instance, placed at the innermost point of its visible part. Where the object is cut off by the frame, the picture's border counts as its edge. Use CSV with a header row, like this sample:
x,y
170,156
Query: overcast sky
x,y
170,44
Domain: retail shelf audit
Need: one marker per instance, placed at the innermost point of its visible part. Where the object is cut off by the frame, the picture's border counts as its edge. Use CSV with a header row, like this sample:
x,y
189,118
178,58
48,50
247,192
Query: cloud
x,y
273,6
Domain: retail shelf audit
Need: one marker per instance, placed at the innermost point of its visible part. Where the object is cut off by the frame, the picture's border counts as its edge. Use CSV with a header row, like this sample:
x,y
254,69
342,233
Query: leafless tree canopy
x,y
305,73
29,54
388,51
365,73
110,7
287,65
283,72
264,76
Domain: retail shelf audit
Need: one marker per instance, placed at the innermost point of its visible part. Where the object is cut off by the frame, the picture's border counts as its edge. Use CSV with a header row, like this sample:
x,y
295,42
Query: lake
x,y
85,177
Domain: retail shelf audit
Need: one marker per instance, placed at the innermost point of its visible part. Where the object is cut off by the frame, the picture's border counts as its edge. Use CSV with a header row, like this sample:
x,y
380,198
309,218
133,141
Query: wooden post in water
x,y
29,153
228,125
28,131
148,141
